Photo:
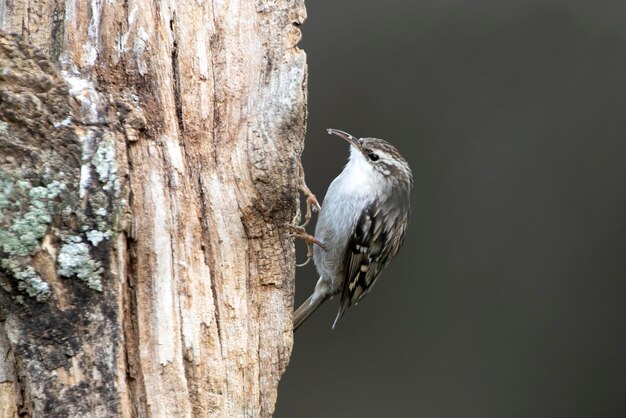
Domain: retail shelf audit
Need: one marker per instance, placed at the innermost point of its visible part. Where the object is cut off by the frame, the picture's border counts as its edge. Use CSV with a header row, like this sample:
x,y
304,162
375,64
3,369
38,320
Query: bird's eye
x,y
373,156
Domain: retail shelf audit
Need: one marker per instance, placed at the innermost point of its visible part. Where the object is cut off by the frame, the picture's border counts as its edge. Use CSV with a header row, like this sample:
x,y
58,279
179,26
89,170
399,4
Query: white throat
x,y
358,172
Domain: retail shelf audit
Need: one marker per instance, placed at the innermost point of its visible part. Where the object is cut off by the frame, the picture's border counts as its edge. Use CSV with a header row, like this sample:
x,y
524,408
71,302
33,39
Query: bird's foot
x,y
300,232
312,205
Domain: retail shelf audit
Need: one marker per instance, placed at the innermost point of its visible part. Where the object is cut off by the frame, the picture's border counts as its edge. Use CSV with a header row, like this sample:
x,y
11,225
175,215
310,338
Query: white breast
x,y
346,196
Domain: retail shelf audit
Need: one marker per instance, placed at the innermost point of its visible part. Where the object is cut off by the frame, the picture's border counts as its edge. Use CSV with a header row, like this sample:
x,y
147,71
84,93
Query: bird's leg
x,y
312,205
300,232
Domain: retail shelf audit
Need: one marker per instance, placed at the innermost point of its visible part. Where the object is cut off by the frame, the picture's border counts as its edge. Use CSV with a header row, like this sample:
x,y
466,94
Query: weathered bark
x,y
148,165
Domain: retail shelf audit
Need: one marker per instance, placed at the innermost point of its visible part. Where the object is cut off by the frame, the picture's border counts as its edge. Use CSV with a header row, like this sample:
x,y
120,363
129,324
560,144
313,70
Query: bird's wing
x,y
370,247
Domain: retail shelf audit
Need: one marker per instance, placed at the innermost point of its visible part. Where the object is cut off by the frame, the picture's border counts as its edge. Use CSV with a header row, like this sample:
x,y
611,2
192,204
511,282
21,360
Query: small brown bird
x,y
361,225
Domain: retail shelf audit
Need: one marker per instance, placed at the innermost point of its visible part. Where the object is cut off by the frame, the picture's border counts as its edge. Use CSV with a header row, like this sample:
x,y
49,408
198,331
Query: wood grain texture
x,y
202,106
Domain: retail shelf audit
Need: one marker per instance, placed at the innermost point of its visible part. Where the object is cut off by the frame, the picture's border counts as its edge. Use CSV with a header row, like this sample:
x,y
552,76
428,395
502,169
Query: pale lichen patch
x,y
32,283
105,164
75,260
96,237
85,218
20,235
27,279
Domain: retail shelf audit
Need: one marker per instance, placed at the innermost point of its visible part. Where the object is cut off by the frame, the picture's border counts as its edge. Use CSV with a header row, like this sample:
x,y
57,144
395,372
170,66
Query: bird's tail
x,y
306,309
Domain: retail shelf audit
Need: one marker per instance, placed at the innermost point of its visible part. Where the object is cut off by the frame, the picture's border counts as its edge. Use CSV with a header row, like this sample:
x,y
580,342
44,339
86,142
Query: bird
x,y
361,225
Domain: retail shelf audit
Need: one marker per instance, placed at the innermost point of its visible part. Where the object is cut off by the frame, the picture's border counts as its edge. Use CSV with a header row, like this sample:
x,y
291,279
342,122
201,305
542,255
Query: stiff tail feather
x,y
305,310
342,310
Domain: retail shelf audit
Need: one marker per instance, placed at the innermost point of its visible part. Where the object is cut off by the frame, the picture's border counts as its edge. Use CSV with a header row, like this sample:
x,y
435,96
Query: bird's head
x,y
382,157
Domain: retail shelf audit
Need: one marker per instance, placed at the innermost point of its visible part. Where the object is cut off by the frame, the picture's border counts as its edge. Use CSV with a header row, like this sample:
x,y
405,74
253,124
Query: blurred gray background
x,y
509,296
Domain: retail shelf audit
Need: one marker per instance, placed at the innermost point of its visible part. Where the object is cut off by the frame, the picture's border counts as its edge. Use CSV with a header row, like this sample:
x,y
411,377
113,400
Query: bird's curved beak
x,y
341,134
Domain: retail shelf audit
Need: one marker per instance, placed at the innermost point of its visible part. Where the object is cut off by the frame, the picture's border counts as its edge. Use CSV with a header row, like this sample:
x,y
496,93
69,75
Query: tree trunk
x,y
149,162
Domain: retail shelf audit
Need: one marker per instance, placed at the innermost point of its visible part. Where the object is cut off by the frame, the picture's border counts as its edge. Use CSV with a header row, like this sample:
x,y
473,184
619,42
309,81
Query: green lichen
x,y
74,259
6,189
105,164
65,193
100,200
95,236
27,279
83,218
20,235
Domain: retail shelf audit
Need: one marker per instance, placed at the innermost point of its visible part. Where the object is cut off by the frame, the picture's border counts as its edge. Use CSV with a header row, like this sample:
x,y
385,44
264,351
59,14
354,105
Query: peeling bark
x,y
149,162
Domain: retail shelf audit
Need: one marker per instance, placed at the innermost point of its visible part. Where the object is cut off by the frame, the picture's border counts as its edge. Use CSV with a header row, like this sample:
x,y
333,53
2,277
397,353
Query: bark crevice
x,y
176,75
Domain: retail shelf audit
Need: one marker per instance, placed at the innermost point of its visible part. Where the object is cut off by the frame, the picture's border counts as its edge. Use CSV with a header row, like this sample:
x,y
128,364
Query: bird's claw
x,y
300,232
312,205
